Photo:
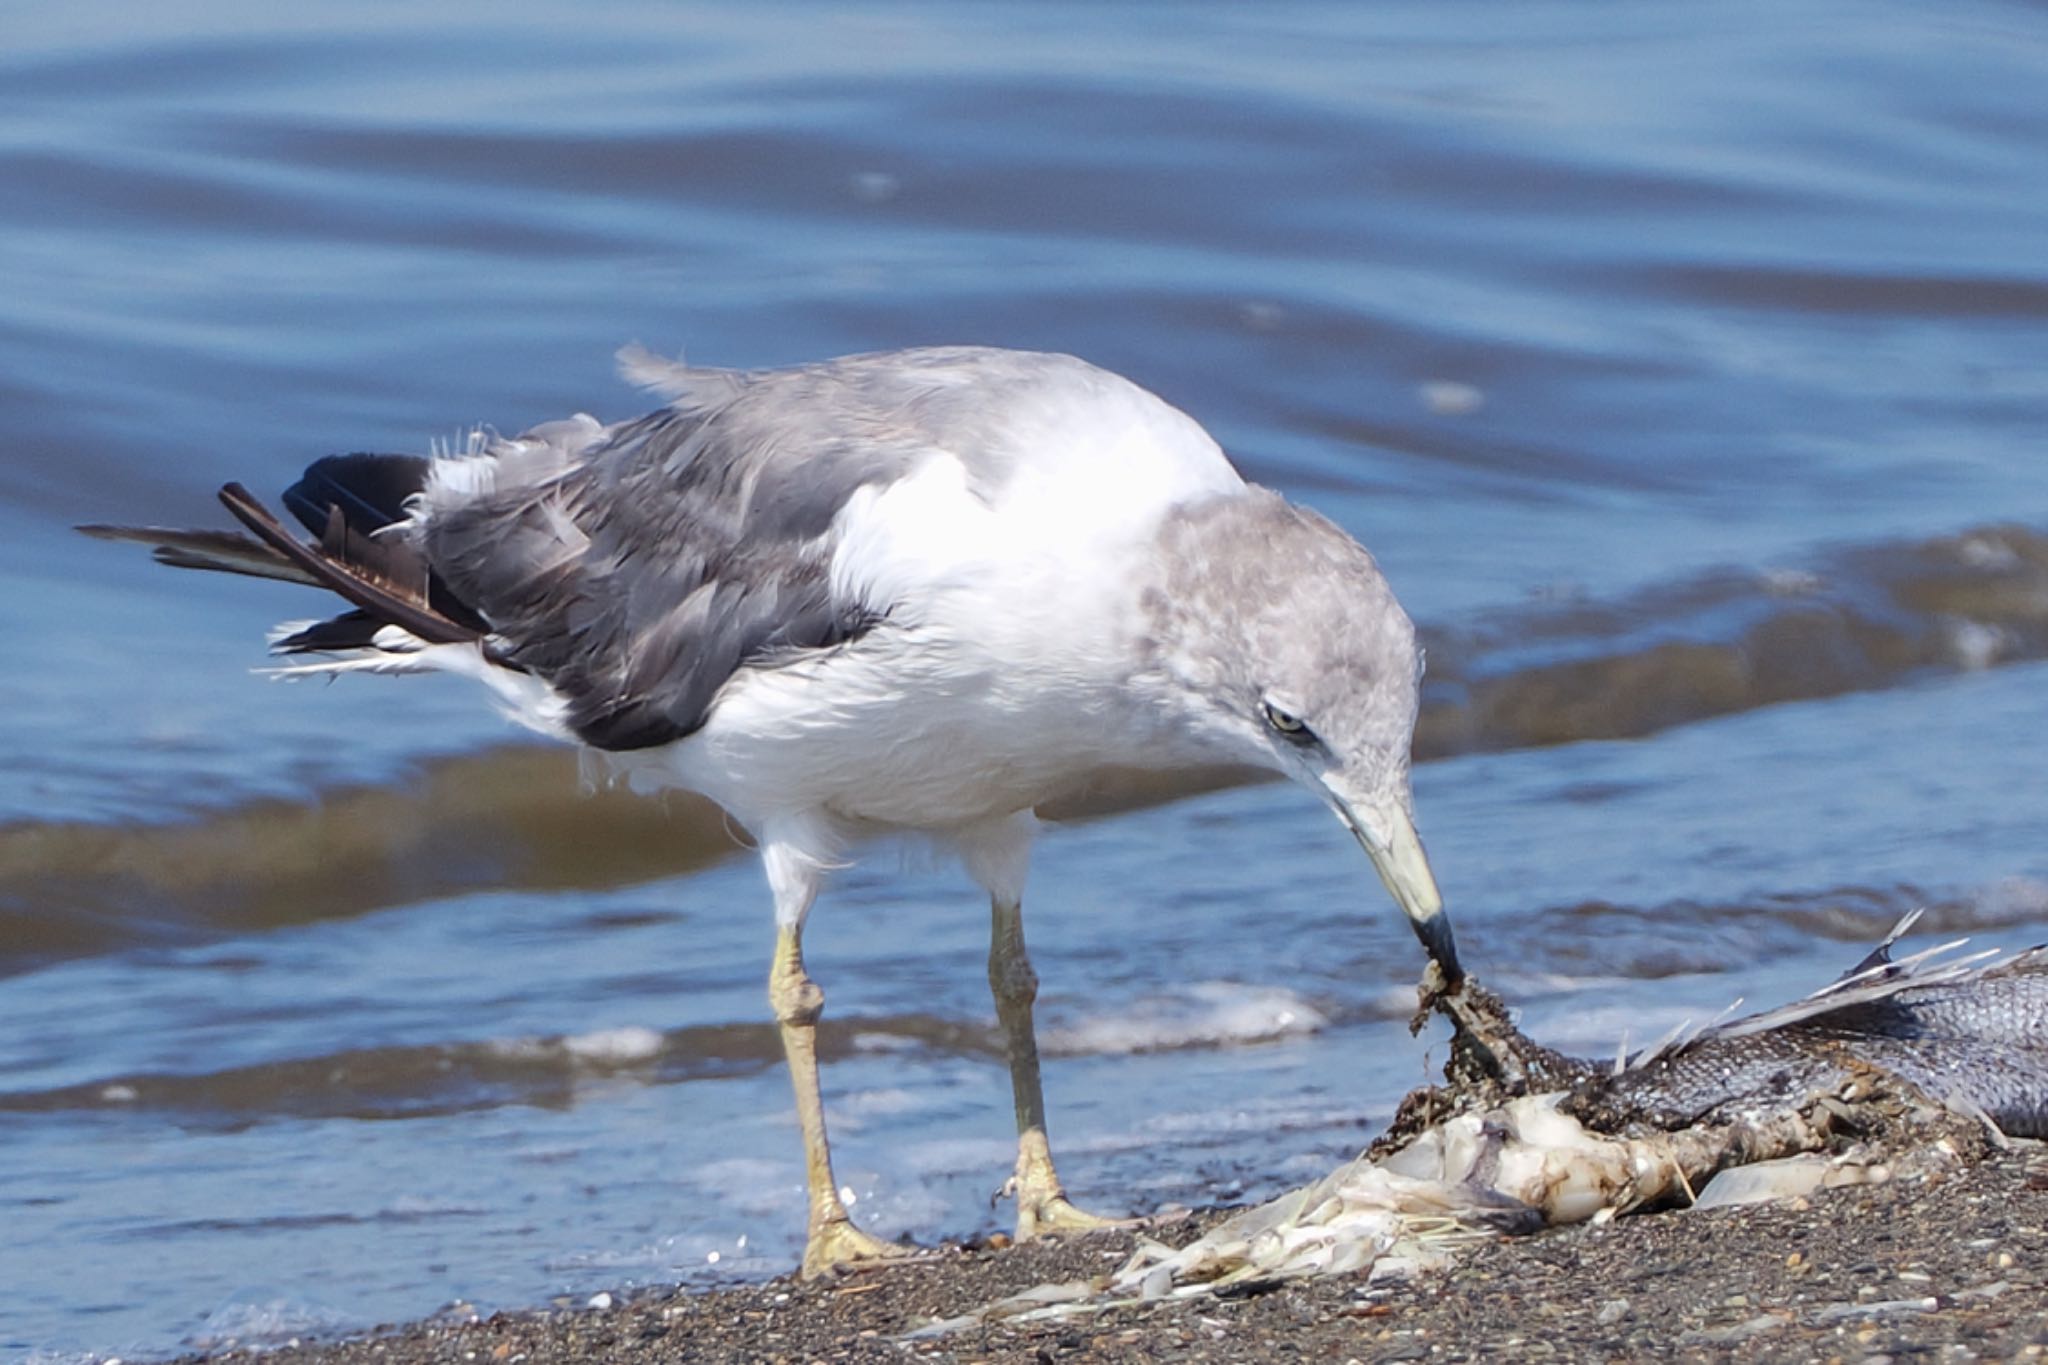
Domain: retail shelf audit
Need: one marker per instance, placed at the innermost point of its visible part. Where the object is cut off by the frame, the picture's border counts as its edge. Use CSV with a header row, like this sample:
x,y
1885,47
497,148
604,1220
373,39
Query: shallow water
x,y
1684,369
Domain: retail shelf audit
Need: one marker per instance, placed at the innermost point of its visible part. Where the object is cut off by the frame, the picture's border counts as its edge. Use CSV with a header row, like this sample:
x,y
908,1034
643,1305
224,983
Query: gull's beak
x,y
1387,833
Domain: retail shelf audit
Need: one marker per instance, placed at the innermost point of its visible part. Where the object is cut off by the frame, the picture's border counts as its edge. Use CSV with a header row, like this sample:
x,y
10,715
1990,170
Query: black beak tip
x,y
1441,945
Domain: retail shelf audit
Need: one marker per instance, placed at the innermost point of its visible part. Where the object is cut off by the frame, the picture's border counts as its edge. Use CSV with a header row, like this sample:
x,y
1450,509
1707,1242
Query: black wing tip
x,y
387,601
352,630
369,488
100,530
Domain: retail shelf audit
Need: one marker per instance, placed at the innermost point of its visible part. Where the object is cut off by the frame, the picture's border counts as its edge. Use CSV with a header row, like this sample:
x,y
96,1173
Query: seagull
x,y
945,592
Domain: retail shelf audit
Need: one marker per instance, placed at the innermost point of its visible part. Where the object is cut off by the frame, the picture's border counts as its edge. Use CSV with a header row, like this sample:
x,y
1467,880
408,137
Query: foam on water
x,y
615,1046
752,1185
1196,1014
267,1316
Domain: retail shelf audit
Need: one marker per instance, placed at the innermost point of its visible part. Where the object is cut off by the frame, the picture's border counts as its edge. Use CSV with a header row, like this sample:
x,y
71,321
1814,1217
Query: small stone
x,y
1611,1312
2003,1260
601,1300
1795,1260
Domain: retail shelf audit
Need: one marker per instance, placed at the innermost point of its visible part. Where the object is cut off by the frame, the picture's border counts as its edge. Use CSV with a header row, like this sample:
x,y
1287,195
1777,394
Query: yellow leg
x,y
1041,1203
832,1241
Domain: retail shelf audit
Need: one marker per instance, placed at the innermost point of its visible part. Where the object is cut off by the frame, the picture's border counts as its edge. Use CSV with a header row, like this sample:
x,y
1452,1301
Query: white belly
x,y
892,733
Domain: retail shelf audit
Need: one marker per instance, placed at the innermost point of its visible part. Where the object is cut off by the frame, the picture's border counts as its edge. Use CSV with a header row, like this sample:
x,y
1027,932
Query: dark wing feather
x,y
347,499
693,543
344,499
221,551
370,490
337,635
395,603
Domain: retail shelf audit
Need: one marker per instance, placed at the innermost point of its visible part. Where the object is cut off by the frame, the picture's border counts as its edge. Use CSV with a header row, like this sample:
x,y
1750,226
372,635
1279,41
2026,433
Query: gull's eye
x,y
1285,724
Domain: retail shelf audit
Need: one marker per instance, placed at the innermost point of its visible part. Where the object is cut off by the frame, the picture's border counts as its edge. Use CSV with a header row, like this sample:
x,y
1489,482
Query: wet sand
x,y
1950,1263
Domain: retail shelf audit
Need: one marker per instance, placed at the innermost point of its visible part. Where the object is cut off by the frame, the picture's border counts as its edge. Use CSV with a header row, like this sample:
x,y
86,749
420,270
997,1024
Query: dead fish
x,y
1966,1032
1523,1137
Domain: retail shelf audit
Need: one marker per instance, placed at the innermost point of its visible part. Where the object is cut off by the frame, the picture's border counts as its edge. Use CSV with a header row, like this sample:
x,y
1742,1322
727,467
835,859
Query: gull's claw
x,y
1042,1205
1055,1213
838,1244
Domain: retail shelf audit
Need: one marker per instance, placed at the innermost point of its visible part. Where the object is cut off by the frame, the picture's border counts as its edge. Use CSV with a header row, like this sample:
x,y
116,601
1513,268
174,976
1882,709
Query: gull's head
x,y
1281,646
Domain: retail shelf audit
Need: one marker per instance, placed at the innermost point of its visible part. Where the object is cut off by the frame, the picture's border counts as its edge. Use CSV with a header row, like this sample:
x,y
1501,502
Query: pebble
x,y
601,1300
1838,1312
1728,1336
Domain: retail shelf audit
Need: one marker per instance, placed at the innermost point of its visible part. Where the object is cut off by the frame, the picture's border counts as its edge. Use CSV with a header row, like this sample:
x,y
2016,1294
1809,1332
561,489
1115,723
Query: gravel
x,y
1950,1263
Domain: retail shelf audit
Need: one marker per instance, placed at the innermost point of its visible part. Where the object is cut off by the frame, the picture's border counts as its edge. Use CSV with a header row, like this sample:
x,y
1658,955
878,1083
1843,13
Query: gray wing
x,y
696,541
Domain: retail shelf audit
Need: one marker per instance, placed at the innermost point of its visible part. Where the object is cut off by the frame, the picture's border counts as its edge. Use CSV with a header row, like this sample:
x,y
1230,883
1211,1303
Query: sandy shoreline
x,y
1948,1264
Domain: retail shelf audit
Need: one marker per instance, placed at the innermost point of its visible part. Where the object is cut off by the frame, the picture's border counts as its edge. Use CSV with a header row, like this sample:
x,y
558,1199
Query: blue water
x,y
1616,334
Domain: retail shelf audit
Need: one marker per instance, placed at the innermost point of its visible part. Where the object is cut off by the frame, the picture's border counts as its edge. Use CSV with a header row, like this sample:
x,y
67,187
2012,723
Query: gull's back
x,y
764,514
